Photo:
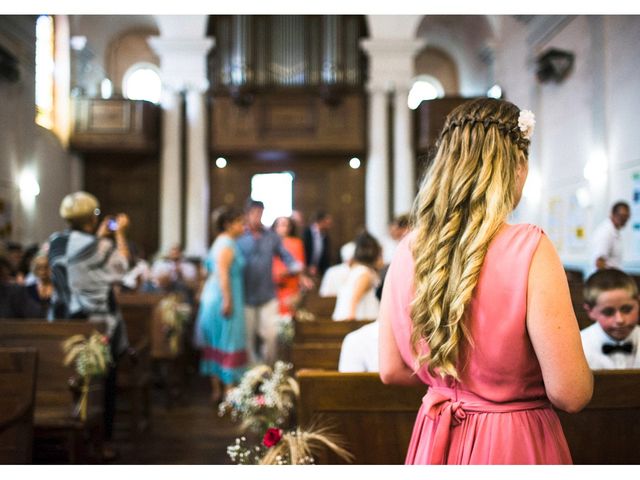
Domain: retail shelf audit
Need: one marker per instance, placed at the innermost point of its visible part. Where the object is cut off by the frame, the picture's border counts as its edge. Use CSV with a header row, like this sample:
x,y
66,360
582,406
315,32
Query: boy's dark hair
x,y
605,280
367,249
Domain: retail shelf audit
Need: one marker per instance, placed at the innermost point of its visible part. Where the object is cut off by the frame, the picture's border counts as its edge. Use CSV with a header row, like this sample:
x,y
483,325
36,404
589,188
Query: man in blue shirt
x,y
259,245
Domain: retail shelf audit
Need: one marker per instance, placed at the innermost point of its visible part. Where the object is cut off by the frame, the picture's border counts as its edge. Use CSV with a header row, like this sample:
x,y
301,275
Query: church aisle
x,y
189,432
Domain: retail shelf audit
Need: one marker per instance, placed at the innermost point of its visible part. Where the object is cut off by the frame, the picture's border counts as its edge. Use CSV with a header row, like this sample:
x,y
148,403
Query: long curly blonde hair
x,y
465,197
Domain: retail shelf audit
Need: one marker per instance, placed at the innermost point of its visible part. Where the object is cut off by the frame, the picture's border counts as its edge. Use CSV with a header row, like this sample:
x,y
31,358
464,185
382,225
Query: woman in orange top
x,y
287,285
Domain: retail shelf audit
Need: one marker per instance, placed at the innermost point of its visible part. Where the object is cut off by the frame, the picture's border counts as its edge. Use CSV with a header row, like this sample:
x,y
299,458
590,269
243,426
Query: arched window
x,y
425,87
142,82
44,71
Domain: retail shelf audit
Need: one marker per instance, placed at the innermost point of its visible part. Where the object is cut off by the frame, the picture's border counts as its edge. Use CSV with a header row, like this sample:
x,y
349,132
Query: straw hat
x,y
78,205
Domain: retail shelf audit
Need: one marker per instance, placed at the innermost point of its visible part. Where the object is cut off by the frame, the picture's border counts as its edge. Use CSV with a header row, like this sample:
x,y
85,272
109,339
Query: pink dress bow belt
x,y
448,407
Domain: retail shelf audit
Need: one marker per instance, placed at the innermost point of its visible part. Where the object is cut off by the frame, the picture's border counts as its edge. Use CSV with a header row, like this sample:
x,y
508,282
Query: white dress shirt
x,y
333,280
607,243
594,337
359,352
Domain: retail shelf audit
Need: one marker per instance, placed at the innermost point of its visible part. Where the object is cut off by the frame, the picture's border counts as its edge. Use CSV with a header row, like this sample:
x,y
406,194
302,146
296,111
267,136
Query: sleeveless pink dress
x,y
498,413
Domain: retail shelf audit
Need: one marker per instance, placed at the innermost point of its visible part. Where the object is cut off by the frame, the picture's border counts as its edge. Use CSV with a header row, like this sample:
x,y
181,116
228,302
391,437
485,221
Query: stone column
x,y
377,173
170,171
390,69
197,237
404,177
183,58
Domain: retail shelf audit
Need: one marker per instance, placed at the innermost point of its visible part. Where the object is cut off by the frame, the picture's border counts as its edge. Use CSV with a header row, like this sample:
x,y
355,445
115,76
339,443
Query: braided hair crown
x,y
489,112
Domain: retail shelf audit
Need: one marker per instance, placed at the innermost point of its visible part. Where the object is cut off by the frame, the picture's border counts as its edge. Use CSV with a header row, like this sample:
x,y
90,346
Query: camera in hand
x,y
112,225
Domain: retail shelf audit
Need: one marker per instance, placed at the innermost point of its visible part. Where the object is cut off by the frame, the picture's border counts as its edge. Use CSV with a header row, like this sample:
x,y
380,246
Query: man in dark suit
x,y
316,244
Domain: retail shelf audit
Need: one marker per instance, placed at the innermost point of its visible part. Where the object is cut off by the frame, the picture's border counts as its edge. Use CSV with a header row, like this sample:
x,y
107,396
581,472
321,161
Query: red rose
x,y
272,437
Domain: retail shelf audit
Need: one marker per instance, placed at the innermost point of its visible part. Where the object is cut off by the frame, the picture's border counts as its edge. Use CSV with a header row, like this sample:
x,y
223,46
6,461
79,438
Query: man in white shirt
x,y
607,240
359,352
173,272
335,276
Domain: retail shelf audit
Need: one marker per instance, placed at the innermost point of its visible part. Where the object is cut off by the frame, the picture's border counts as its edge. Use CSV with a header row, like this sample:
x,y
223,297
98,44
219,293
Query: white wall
x,y
593,110
26,146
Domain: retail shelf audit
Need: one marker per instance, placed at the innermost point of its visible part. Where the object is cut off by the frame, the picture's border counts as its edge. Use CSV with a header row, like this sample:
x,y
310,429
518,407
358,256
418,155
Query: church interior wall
x,y
438,64
589,115
27,147
126,50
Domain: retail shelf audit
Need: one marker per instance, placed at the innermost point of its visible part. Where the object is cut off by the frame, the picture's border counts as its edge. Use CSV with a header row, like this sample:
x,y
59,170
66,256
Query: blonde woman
x,y
478,309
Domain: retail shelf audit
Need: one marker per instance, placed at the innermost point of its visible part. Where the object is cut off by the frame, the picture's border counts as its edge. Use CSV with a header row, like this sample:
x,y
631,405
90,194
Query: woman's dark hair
x,y
291,231
223,216
27,257
367,249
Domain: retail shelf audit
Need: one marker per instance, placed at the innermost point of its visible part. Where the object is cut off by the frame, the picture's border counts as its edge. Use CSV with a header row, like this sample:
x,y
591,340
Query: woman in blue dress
x,y
220,328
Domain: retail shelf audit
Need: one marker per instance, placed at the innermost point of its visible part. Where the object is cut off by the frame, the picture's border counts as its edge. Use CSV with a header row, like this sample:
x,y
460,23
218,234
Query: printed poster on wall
x,y
577,221
556,222
635,215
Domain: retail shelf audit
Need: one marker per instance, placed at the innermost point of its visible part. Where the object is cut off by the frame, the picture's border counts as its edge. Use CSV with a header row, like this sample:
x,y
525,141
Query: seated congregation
x,y
151,325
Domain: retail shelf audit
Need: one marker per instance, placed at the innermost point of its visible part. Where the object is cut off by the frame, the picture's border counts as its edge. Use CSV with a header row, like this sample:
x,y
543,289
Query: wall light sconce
x,y
28,186
221,162
584,197
596,168
106,89
495,92
355,163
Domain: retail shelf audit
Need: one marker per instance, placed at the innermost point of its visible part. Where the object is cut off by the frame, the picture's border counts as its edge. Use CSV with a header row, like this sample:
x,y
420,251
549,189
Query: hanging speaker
x,y
554,65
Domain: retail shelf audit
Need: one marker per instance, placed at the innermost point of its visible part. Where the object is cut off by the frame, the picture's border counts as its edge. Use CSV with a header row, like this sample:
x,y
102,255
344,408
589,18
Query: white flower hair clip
x,y
526,122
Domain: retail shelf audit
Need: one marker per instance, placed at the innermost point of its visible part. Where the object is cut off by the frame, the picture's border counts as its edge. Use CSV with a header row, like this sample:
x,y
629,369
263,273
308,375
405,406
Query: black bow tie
x,y
608,348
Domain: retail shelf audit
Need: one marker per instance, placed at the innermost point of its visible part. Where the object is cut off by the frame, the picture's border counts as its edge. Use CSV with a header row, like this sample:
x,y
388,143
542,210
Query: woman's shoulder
x,y
223,241
524,229
518,233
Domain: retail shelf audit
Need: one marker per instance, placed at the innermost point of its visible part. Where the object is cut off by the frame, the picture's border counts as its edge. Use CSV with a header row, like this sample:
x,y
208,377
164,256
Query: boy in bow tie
x,y
611,301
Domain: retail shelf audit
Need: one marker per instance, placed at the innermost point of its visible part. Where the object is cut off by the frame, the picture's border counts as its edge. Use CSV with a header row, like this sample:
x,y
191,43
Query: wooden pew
x,y
376,420
607,431
319,306
576,286
55,423
18,369
134,379
141,311
317,343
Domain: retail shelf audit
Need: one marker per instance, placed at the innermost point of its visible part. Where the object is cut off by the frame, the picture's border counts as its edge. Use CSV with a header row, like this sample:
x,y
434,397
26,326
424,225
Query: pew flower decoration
x,y
174,315
304,315
285,330
295,447
91,357
264,397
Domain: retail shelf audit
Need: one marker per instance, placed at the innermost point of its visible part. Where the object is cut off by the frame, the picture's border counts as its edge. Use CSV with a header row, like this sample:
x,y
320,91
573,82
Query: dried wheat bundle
x,y
300,447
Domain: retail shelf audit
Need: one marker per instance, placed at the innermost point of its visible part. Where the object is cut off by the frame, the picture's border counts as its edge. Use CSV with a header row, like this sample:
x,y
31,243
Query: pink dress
x,y
498,413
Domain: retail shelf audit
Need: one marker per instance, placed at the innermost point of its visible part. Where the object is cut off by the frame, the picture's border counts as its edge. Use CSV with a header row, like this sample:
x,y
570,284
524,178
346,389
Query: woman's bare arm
x,y
362,284
225,259
554,332
393,369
